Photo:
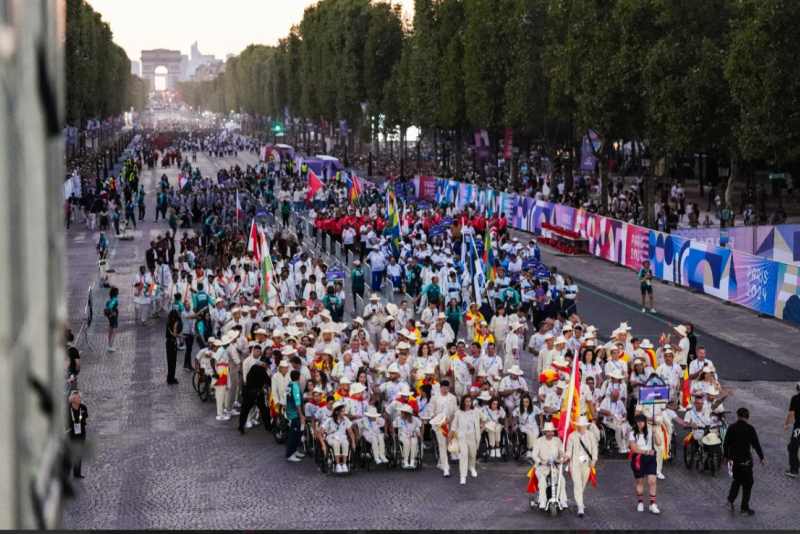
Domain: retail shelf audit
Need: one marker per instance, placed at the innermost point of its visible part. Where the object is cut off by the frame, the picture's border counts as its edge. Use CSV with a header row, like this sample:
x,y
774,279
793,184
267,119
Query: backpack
x,y
107,310
332,304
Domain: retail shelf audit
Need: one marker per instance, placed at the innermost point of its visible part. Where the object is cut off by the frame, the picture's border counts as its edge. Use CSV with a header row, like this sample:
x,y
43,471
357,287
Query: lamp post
x,y
723,169
646,195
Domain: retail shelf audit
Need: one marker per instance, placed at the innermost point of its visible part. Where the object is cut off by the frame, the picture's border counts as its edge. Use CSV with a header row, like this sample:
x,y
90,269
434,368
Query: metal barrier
x,y
326,244
349,258
337,247
359,306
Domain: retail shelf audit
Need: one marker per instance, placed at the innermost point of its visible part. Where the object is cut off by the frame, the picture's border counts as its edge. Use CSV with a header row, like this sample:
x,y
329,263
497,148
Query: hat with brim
x,y
261,332
548,336
344,381
357,388
325,313
392,309
372,413
515,370
548,427
561,384
429,370
374,297
681,330
394,368
491,426
560,339
484,396
645,344
406,408
560,362
288,351
616,374
624,326
359,320
338,404
711,439
403,346
438,420
284,363
712,391
404,391
582,421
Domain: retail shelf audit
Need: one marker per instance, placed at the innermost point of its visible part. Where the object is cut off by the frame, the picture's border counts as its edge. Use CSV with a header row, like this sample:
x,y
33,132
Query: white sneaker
x,y
492,453
248,425
293,459
542,505
640,508
580,512
453,457
299,454
652,310
384,460
446,473
462,480
338,468
345,469
413,464
644,310
623,451
654,509
406,465
529,454
473,472
660,476
563,505
256,422
234,412
223,417
237,405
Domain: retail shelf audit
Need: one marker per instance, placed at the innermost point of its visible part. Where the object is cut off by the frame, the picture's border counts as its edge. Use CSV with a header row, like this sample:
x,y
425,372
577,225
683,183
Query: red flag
x,y
533,483
239,213
593,477
253,242
686,398
570,410
314,185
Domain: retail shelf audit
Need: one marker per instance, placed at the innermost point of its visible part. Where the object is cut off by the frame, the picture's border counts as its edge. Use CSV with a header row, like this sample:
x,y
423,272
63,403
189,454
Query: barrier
x,y
349,258
359,306
759,283
780,243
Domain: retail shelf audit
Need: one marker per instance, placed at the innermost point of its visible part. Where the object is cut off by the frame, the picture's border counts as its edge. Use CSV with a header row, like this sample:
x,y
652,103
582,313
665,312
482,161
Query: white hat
x,y
590,342
617,332
548,427
547,336
406,408
515,370
235,309
261,331
485,395
438,420
711,439
357,388
560,362
392,309
374,296
394,368
285,316
681,330
325,313
279,332
403,346
344,380
404,391
638,361
482,372
299,319
591,328
338,404
245,309
712,391
441,316
645,344
288,351
372,413
284,363
560,339
491,426
624,326
561,384
429,370
358,320
582,421
616,374
387,319
567,328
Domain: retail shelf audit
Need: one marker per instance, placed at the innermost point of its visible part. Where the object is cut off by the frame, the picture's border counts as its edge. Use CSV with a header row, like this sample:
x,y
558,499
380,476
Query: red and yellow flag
x,y
533,482
571,406
593,477
687,391
653,360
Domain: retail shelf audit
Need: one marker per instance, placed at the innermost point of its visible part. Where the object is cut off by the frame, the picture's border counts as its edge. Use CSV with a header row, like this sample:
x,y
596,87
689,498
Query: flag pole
x,y
562,420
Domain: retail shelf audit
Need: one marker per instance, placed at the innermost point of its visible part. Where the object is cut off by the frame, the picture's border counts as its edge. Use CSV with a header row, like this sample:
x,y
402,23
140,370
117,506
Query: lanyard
x,y
72,414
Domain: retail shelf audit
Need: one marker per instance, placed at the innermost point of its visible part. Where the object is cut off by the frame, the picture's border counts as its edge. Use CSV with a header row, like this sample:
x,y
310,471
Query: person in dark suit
x,y
76,430
741,436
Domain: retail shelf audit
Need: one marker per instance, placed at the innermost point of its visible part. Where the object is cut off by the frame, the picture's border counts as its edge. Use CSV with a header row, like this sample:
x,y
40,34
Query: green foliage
x,y
98,71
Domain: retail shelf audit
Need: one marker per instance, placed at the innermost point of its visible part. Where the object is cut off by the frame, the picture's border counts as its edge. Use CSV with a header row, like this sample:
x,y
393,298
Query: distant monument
x,y
153,59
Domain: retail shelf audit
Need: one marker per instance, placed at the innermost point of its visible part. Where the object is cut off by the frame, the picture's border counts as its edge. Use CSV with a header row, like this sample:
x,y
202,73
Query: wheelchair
x,y
280,428
607,444
365,457
394,452
328,464
551,491
484,448
518,445
700,456
202,385
309,441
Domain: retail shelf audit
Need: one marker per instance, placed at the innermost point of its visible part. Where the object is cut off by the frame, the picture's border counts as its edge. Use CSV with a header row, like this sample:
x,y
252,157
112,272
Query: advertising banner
x,y
482,149
637,244
752,281
508,142
427,188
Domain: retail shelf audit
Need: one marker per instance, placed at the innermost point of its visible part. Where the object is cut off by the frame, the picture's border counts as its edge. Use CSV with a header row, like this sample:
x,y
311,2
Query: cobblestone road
x,y
160,460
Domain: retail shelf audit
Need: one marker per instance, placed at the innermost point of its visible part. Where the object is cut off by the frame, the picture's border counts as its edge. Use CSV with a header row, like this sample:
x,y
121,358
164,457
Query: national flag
x,y
687,440
273,407
182,181
476,272
152,290
686,397
653,360
223,375
266,276
354,186
314,185
239,212
488,256
570,410
253,242
593,477
533,482
393,222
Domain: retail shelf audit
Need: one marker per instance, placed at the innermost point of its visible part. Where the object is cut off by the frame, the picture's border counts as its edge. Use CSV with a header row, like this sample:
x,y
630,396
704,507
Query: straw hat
x,y
548,427
515,370
404,391
616,374
560,339
438,420
344,381
624,326
374,297
372,413
429,370
582,421
484,396
394,368
712,391
452,447
711,439
338,404
288,351
284,363
681,330
491,426
561,384
357,388
645,344
325,313
403,346
406,408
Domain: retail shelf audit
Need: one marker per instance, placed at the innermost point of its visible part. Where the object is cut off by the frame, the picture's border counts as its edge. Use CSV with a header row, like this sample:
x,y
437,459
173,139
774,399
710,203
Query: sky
x,y
220,27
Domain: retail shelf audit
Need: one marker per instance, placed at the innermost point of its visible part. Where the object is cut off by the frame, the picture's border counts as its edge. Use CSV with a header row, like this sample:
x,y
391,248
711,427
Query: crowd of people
x,y
295,351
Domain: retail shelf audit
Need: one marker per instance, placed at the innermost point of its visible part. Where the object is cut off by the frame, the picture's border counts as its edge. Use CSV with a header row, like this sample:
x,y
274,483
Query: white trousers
x,y
580,475
378,446
409,448
541,476
340,447
467,452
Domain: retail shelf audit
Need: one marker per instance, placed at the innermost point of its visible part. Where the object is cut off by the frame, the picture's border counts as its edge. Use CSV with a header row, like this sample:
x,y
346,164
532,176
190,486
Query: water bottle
x,y
730,469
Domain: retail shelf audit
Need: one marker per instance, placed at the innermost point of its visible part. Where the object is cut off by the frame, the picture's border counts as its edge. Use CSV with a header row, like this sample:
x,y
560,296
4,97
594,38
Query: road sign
x,y
780,176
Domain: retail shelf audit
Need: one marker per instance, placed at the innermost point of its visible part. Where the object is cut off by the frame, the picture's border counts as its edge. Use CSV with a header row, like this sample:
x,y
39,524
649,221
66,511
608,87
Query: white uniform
x,y
141,300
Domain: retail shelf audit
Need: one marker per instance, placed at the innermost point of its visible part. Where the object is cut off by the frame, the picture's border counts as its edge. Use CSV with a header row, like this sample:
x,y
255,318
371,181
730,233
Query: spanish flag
x,y
445,429
223,378
533,482
593,477
653,360
687,392
273,408
687,439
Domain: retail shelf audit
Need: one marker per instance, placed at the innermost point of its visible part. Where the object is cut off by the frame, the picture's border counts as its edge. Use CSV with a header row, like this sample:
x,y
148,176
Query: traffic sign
x,y
780,176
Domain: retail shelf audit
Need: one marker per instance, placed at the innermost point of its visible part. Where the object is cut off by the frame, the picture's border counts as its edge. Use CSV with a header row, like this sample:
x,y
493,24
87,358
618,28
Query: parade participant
x,y
546,453
474,318
142,286
615,414
512,344
794,441
525,417
371,428
468,425
582,455
642,443
408,432
444,405
337,432
76,429
111,311
495,414
256,378
219,371
174,329
511,388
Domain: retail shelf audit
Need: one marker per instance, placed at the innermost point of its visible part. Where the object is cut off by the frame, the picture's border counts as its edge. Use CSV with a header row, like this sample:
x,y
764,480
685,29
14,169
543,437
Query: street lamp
x,y
723,169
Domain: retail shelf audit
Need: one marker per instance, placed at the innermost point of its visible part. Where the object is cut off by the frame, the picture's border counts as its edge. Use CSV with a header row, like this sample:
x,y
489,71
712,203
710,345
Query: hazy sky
x,y
220,27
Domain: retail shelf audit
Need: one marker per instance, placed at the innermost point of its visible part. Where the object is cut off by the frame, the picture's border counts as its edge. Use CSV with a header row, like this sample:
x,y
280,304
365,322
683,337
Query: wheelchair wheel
x,y
673,449
483,447
393,450
195,380
688,454
280,429
420,452
308,442
553,509
505,446
436,451
715,461
328,465
203,389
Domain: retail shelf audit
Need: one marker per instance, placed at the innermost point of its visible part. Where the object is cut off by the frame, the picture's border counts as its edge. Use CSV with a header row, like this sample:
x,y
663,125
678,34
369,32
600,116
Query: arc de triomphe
x,y
152,59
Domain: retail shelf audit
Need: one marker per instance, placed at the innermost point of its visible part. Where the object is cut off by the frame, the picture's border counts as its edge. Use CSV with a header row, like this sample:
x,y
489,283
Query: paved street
x,y
160,460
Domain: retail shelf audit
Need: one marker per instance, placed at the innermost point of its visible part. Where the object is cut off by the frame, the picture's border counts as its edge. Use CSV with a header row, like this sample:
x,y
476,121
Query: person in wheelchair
x,y
525,419
547,451
337,433
372,428
698,416
409,430
615,418
496,414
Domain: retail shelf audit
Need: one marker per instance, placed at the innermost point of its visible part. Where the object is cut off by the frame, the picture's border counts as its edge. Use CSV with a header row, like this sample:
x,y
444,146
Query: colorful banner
x,y
787,293
588,160
751,282
779,243
482,149
508,143
637,246
427,188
